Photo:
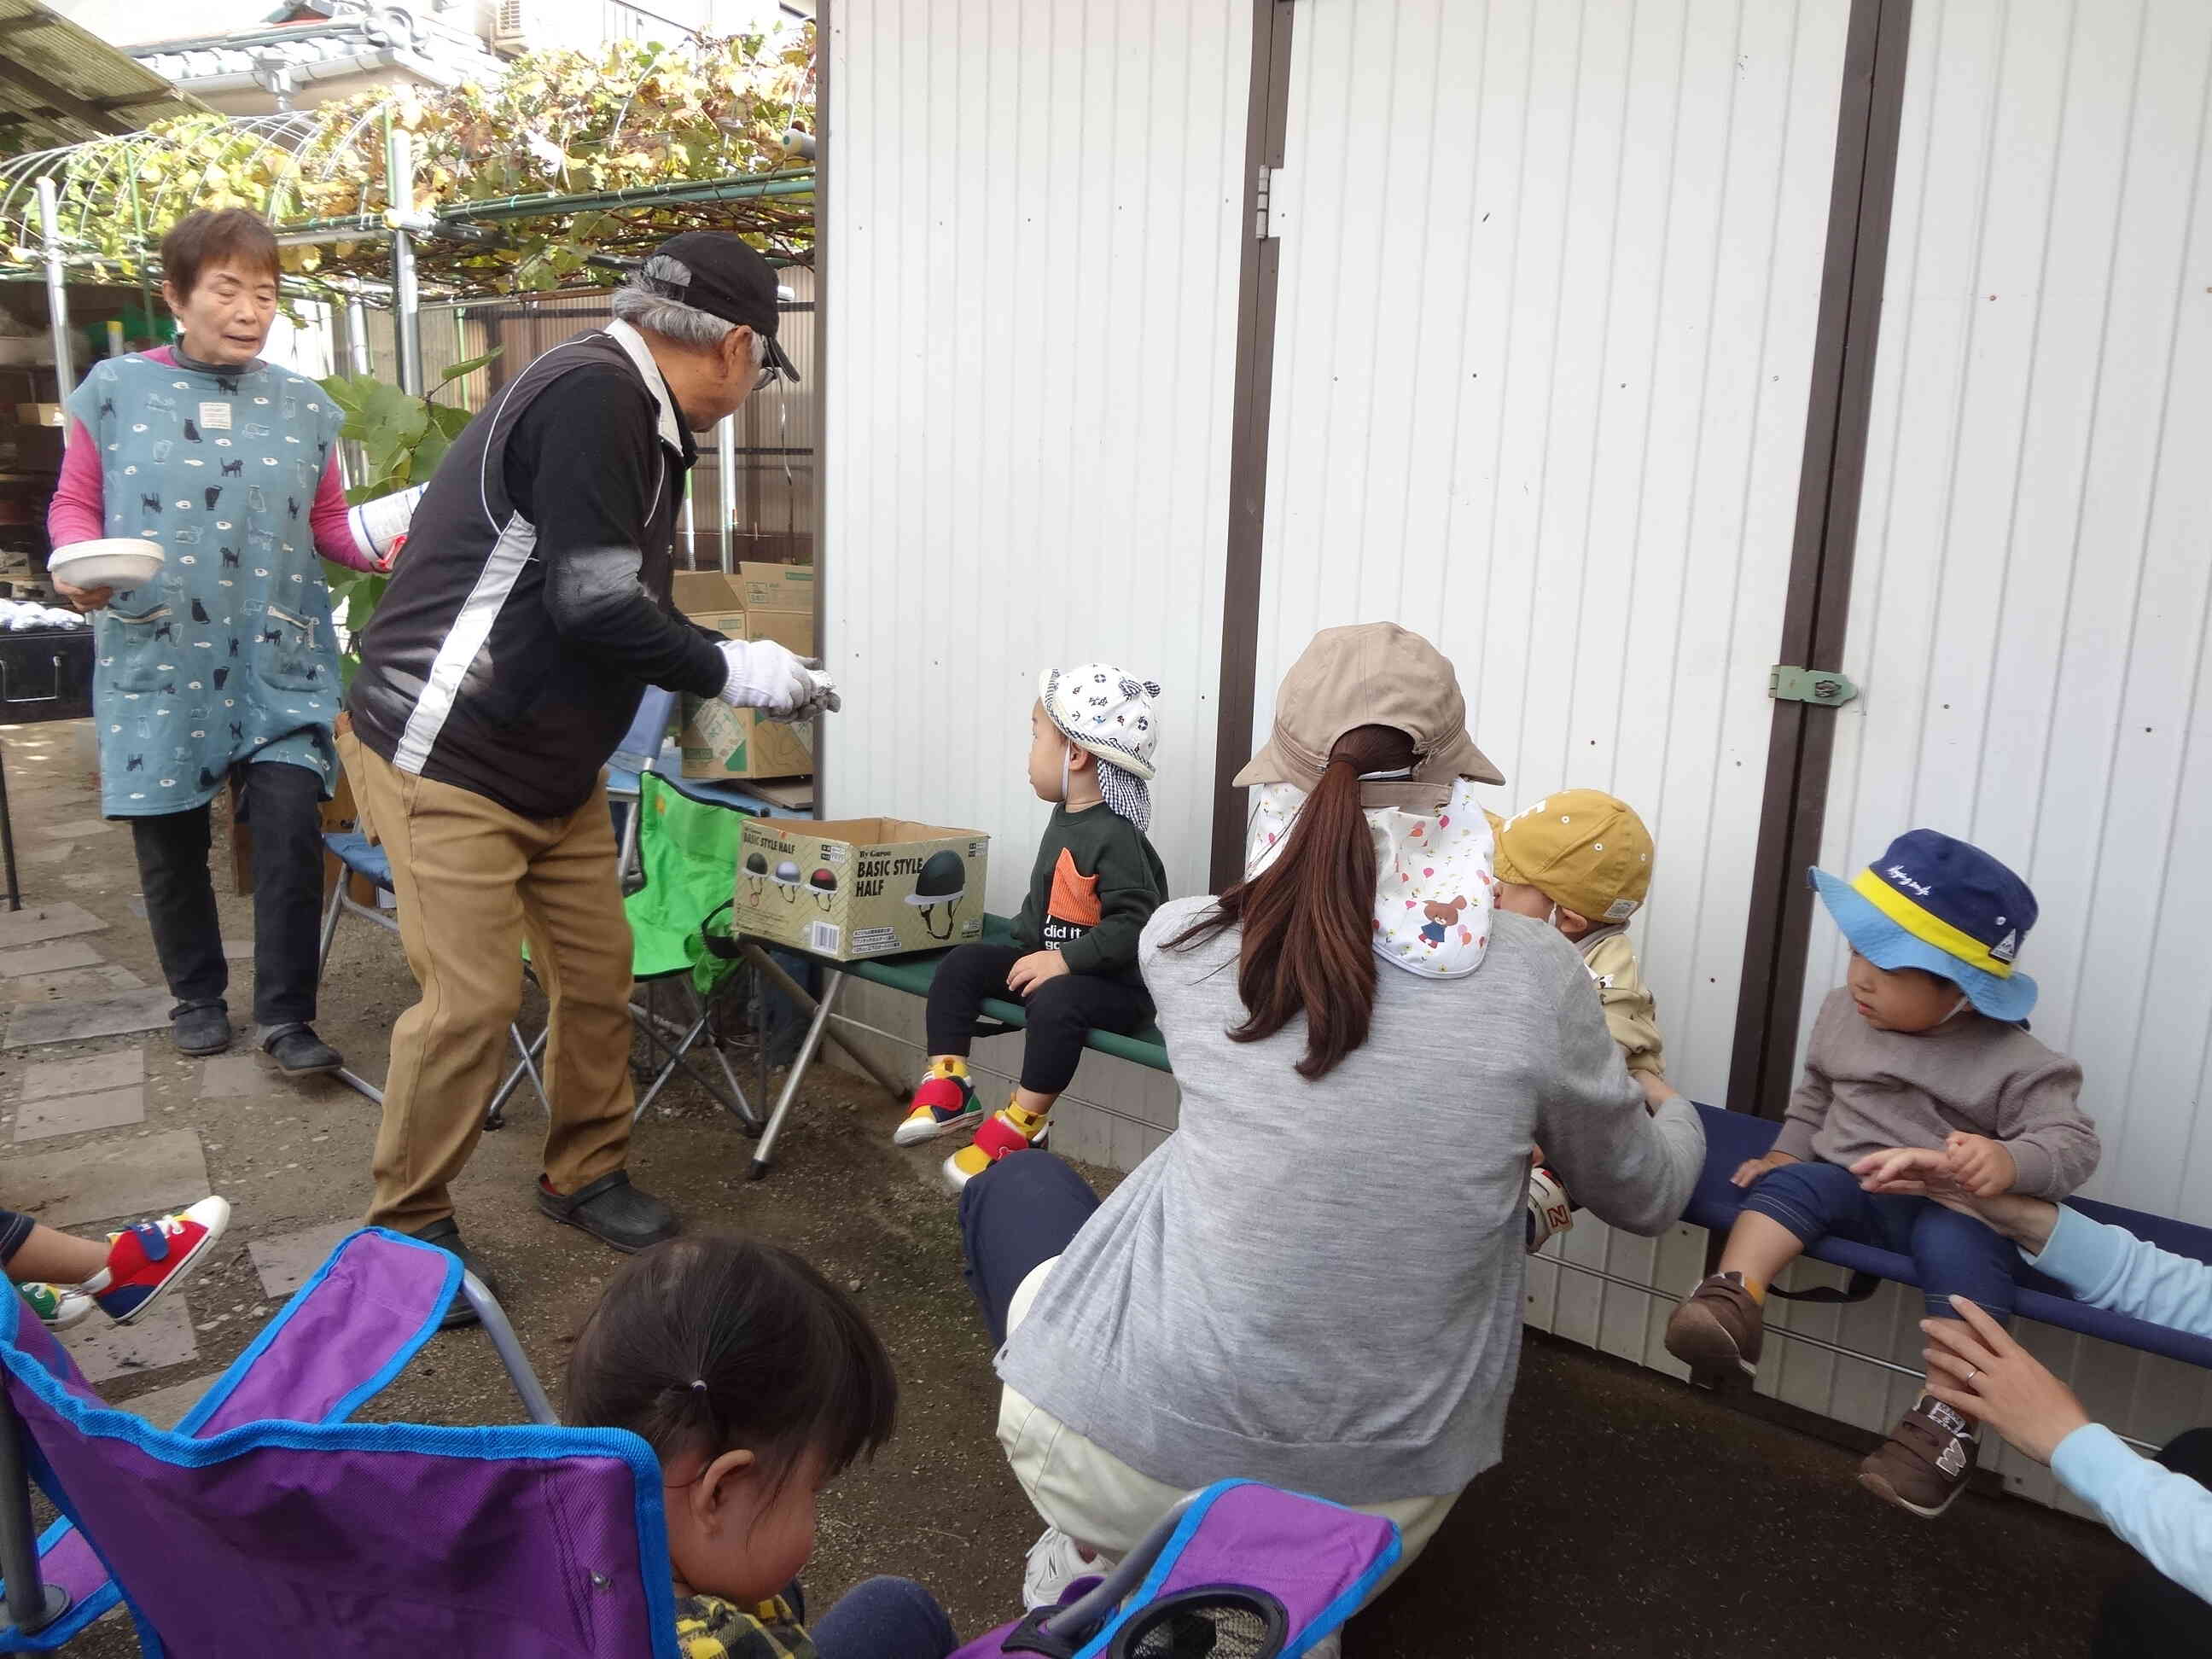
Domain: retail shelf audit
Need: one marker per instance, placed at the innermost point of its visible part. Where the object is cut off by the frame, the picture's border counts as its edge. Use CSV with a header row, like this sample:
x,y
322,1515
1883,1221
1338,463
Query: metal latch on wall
x,y
1822,687
1268,204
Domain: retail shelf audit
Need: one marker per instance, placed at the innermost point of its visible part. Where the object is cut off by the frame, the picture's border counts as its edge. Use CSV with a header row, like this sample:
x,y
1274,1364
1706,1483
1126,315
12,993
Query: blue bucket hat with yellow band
x,y
1939,905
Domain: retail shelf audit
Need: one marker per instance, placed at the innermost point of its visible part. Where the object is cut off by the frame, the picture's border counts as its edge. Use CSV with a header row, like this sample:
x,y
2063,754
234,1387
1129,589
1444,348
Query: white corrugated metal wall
x,y
1549,279
2029,614
1033,221
1541,367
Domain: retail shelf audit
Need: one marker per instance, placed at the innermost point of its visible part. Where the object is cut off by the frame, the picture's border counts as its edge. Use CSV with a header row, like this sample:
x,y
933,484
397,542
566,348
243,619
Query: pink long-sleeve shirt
x,y
79,512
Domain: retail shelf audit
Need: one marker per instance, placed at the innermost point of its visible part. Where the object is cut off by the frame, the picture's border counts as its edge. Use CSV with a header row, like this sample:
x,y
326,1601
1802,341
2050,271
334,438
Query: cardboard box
x,y
734,744
777,586
861,887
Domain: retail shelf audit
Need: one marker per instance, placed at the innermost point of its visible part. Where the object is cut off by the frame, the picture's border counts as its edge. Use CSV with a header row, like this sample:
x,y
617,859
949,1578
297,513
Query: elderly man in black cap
x,y
503,666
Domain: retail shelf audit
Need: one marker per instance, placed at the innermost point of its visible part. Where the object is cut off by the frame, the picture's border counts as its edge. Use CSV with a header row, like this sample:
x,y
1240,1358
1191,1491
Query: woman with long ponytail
x,y
1318,1281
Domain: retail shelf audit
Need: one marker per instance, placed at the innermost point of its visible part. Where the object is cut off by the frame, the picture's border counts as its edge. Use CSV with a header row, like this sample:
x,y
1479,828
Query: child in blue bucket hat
x,y
1926,1045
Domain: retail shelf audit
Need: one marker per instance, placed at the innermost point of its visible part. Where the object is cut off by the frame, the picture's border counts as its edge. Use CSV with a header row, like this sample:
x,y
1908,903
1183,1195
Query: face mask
x,y
1434,889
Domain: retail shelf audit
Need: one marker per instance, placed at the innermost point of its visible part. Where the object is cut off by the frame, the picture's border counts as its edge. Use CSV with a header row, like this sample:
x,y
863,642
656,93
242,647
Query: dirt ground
x,y
1631,1515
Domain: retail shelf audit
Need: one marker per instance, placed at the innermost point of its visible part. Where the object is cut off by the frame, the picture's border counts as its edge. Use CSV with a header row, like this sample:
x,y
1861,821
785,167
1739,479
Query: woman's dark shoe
x,y
299,1052
611,1211
200,1028
447,1236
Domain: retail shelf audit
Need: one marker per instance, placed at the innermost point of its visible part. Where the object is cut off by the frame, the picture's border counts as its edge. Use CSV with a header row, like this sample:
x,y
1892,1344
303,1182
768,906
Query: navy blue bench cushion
x,y
1732,1137
913,973
354,851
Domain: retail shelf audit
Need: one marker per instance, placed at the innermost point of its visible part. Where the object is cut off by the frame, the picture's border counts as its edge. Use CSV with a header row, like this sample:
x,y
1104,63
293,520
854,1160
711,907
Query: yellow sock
x,y
948,1066
1755,1288
1027,1122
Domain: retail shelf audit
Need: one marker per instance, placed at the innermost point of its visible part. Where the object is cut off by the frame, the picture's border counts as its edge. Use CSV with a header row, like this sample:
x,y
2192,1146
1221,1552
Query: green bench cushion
x,y
912,974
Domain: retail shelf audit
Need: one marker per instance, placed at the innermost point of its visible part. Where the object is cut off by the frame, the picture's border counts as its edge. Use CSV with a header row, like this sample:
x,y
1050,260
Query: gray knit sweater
x,y
1866,1090
1319,1285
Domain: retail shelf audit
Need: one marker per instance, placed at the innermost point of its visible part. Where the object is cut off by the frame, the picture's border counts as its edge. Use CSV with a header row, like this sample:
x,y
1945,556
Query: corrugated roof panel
x,y
59,84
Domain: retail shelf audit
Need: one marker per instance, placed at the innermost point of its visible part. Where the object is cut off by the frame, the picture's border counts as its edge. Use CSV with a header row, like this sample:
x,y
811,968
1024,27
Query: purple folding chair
x,y
268,1523
1239,1570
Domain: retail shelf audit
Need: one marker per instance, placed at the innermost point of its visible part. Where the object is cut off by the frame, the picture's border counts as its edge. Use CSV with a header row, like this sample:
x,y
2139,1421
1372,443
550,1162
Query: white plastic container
x,y
109,561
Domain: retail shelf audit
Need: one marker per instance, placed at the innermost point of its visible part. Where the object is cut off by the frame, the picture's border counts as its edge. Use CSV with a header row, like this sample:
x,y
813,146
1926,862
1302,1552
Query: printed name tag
x,y
216,418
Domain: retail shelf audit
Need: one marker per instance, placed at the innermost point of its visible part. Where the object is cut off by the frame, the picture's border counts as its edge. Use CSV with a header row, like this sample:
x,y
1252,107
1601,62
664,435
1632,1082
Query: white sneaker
x,y
1055,1561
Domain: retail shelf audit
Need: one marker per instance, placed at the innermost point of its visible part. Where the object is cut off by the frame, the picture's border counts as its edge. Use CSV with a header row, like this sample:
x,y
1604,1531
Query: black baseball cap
x,y
724,277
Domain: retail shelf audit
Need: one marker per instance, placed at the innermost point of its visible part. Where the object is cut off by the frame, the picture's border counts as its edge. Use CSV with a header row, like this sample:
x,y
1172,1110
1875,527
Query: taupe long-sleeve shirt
x,y
1866,1090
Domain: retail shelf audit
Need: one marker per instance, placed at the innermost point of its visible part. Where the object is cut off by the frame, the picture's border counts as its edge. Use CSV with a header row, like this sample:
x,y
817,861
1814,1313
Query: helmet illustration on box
x,y
825,888
942,883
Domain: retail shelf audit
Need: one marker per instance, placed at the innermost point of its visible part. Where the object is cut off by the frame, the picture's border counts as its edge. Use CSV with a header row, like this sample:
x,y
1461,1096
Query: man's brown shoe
x,y
1717,1332
1925,1462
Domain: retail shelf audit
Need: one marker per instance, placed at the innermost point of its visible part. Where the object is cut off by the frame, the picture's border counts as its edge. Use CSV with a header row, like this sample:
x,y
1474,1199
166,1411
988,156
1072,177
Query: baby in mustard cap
x,y
1581,859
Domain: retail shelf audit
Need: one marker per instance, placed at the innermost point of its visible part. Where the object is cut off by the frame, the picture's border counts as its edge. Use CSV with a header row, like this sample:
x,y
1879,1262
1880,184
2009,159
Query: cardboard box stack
x,y
760,602
860,887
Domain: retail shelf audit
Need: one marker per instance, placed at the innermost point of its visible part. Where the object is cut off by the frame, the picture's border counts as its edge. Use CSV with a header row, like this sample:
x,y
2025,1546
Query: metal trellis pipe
x,y
56,286
407,300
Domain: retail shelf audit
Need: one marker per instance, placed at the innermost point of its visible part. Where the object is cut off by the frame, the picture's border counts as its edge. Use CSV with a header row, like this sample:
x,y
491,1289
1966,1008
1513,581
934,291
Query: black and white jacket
x,y
531,607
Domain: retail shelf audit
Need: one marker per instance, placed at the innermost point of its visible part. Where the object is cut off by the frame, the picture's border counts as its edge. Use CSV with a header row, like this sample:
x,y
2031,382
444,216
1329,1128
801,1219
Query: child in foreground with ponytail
x,y
756,1382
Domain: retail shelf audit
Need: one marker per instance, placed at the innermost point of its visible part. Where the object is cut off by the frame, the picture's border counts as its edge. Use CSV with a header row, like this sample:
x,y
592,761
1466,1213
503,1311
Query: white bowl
x,y
111,562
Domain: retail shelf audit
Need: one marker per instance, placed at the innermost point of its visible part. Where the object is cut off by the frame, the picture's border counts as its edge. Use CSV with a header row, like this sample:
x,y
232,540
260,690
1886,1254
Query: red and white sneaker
x,y
941,1105
145,1260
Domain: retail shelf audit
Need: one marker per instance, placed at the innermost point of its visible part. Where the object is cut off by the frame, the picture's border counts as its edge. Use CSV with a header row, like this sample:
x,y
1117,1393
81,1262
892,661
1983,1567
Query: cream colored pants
x,y
1108,1507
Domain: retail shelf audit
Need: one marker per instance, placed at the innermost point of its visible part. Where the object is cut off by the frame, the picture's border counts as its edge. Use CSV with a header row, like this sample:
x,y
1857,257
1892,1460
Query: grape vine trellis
x,y
569,154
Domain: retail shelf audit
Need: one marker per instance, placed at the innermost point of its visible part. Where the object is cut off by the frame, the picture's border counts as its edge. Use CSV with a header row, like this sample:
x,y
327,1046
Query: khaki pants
x,y
474,881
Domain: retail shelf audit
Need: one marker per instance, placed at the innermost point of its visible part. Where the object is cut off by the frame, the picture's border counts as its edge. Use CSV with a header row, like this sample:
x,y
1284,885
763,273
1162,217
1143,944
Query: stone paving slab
x,y
77,828
128,1179
76,985
289,1259
57,956
135,905
36,925
50,1078
104,1351
49,854
239,1077
38,1022
164,1406
72,1115
238,949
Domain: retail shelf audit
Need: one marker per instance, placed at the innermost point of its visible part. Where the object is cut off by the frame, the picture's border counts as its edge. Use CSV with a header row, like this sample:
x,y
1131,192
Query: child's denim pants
x,y
1956,1255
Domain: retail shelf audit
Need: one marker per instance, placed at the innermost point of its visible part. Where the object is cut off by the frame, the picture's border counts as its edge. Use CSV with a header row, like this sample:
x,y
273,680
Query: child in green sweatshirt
x,y
1073,962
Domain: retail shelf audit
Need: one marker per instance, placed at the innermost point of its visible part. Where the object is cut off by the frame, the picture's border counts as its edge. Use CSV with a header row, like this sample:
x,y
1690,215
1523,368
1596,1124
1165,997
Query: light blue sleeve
x,y
2167,1516
2109,1267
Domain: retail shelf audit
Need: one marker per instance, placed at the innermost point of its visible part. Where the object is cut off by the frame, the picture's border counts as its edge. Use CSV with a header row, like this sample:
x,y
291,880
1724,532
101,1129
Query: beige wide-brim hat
x,y
1372,674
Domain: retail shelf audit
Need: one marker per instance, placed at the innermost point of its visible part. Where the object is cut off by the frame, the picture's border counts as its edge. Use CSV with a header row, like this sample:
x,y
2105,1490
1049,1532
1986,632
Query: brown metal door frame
x,y
1795,806
1266,121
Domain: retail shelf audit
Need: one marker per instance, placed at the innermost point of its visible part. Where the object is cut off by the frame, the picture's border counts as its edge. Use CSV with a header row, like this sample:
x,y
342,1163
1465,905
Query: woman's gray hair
x,y
638,303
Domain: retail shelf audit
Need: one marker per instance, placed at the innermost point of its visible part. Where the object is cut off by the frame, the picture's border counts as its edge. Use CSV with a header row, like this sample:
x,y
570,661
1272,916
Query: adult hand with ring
x,y
1975,1367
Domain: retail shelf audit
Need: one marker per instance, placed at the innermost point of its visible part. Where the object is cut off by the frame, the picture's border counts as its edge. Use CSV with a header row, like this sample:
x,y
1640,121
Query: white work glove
x,y
765,676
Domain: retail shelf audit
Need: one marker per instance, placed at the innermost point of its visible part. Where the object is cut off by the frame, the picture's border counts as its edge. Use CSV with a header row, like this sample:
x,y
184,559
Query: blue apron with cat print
x,y
227,656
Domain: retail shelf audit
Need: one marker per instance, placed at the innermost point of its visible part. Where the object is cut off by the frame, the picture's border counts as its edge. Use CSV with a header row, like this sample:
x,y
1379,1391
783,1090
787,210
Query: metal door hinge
x,y
1822,687
1268,204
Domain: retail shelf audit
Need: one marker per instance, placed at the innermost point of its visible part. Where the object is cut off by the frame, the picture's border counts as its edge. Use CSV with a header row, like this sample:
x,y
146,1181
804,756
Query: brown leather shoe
x,y
1717,1332
1925,1462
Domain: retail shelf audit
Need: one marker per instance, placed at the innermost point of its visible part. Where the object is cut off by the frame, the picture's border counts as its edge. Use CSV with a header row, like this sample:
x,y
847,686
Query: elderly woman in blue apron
x,y
221,668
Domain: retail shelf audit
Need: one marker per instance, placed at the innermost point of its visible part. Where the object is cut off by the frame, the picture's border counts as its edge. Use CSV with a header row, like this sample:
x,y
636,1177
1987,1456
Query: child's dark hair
x,y
706,1344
